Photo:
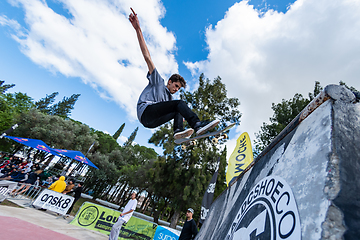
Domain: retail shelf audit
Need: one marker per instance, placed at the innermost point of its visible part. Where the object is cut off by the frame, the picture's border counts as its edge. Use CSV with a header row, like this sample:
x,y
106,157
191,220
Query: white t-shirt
x,y
130,205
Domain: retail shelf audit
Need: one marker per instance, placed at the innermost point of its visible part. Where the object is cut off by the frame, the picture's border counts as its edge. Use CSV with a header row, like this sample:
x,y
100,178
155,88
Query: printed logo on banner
x,y
53,201
269,212
88,216
4,190
99,218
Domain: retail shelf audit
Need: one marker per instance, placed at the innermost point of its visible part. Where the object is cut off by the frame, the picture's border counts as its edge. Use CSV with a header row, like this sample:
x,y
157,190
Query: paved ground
x,y
30,223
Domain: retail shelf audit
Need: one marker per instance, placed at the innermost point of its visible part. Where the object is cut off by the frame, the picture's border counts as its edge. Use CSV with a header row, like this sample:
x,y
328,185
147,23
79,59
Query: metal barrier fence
x,y
26,192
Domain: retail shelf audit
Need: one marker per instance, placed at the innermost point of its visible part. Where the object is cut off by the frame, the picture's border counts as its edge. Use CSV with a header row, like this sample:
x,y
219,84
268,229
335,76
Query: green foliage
x,y
64,107
105,143
44,104
11,105
351,88
119,131
18,102
54,131
284,113
210,101
131,138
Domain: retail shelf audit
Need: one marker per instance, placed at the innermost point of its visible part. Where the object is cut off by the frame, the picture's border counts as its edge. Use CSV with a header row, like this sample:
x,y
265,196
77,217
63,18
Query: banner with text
x,y
240,159
164,233
54,201
101,219
5,188
209,195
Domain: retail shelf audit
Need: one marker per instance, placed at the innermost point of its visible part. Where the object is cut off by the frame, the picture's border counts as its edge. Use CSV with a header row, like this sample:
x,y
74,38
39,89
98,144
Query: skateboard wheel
x,y
183,147
193,143
214,140
225,136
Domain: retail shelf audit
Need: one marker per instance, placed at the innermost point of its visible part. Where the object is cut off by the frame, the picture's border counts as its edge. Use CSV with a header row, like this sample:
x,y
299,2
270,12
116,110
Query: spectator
x,y
69,186
23,164
59,185
37,166
47,182
189,230
124,217
22,176
33,176
4,164
5,171
77,196
28,166
10,174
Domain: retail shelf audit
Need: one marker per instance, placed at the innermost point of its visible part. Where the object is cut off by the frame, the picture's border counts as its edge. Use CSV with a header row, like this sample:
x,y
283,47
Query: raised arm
x,y
135,23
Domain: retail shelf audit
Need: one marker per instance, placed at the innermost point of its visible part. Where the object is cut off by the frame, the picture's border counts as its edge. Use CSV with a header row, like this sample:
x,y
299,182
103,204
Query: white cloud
x,y
97,43
122,139
263,57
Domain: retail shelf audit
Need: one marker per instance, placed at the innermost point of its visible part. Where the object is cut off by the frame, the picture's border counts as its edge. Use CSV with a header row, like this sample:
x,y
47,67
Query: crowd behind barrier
x,y
30,177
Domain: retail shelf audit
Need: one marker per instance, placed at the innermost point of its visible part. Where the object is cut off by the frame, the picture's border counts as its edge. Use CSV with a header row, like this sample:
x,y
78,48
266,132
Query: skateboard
x,y
217,136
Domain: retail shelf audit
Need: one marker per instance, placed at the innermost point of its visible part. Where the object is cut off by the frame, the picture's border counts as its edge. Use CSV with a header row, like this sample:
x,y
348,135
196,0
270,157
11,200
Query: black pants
x,y
162,112
72,205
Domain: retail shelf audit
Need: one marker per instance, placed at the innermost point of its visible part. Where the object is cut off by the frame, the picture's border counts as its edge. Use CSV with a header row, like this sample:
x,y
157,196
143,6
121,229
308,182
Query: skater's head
x,y
133,195
175,83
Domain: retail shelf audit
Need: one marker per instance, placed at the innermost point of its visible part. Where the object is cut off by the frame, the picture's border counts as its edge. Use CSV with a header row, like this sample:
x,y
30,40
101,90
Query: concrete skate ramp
x,y
305,185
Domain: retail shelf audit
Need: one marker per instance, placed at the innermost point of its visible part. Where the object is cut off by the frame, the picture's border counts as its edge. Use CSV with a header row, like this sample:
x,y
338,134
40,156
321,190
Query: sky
x,y
264,51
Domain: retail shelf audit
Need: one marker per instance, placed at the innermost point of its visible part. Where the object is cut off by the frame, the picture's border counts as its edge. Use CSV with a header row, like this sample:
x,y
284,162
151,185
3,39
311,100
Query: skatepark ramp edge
x,y
303,185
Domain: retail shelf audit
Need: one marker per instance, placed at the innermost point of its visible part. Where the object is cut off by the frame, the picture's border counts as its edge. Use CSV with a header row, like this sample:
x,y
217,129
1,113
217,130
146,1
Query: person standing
x,y
124,217
59,185
77,196
189,230
69,187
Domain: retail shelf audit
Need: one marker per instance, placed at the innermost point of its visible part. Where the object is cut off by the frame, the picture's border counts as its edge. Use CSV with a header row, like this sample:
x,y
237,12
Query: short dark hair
x,y
177,78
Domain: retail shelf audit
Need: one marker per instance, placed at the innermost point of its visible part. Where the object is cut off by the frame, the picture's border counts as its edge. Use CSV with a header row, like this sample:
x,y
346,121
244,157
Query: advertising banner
x,y
5,188
101,219
269,211
209,195
163,233
54,201
240,159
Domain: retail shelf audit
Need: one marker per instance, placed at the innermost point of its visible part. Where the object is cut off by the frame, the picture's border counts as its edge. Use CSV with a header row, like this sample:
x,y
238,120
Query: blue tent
x,y
77,155
34,143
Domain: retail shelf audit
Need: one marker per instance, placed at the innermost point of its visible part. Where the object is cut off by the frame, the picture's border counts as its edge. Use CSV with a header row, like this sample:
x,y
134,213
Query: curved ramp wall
x,y
305,186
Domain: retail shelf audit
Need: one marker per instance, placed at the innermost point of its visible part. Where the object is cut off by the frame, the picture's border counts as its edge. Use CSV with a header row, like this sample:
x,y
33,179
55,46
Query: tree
x,y
64,107
284,113
4,87
11,105
54,131
119,131
105,142
131,138
180,177
44,104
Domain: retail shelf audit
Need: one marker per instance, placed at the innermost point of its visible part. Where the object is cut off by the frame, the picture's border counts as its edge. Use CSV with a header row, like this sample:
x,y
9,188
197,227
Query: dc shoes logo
x,y
269,212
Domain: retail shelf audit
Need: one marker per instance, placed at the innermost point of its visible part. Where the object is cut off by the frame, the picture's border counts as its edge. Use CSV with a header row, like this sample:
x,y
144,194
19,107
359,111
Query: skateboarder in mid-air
x,y
156,106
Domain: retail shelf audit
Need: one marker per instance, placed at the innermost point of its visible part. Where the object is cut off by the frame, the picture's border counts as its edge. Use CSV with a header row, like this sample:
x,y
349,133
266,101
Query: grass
x,y
10,204
81,201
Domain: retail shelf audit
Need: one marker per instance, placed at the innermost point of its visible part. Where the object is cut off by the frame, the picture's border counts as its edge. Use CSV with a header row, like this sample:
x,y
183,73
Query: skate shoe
x,y
204,126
